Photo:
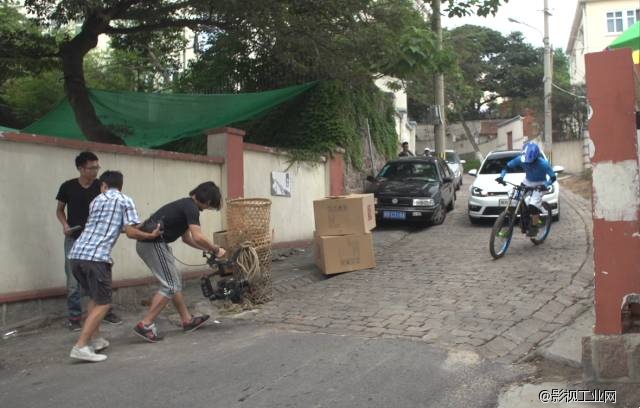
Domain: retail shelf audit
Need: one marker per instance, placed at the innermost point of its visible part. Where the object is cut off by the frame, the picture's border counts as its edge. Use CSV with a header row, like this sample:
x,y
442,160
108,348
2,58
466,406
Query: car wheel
x,y
439,215
451,205
556,217
474,221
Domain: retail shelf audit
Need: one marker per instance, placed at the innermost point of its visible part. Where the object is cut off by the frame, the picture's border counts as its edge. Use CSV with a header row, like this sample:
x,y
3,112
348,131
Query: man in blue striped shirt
x,y
110,213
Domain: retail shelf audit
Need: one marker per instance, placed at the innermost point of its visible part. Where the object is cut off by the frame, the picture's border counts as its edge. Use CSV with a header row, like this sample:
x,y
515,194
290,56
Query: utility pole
x,y
439,129
548,78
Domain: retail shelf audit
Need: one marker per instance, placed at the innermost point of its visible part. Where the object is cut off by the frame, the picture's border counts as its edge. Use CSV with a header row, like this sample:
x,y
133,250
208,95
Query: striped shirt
x,y
109,213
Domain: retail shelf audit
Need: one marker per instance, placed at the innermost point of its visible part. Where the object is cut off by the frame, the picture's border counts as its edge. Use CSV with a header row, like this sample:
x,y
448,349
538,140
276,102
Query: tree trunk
x,y
72,53
467,131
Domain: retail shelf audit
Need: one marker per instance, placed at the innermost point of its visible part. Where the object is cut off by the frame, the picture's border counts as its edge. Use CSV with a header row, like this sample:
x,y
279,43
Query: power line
x,y
568,92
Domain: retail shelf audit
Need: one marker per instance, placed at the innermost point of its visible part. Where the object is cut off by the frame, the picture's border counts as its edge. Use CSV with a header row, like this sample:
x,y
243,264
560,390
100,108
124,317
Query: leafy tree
x,y
569,105
24,47
498,76
290,43
130,17
24,50
31,96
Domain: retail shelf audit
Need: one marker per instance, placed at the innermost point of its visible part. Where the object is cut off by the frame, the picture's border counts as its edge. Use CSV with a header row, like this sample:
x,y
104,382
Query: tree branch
x,y
160,24
135,13
117,10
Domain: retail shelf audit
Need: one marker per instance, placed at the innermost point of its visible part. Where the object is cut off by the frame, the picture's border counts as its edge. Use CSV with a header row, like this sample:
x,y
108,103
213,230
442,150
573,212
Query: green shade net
x,y
628,39
151,120
7,129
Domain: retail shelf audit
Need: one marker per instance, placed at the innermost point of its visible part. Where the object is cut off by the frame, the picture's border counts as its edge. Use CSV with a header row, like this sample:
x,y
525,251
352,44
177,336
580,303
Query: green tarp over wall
x,y
150,120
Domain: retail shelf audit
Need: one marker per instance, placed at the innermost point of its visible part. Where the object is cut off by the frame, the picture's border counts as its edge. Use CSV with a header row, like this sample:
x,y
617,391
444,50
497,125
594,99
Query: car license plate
x,y
503,202
394,215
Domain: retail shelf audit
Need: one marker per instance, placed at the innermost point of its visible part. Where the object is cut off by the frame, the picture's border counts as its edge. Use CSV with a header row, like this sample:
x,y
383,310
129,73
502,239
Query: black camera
x,y
229,289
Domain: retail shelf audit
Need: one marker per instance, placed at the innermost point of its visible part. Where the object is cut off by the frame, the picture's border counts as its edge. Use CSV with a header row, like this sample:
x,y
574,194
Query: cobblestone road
x,y
440,285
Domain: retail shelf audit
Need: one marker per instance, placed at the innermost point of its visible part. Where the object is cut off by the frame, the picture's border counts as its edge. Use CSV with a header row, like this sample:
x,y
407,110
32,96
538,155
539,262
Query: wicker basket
x,y
248,219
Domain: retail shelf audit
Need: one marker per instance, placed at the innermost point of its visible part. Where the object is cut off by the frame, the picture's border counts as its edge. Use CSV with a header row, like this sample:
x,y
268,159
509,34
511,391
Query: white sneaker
x,y
99,344
86,354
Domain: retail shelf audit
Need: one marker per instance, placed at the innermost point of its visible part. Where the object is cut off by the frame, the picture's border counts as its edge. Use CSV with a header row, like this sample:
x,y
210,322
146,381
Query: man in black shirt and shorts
x,y
179,219
75,195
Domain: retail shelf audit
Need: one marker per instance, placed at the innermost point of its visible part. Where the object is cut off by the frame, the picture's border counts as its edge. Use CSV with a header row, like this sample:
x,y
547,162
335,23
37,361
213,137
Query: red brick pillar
x,y
336,174
616,184
228,142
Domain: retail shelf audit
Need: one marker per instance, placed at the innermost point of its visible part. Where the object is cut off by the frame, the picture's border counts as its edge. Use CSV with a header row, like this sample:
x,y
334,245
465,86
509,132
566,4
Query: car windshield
x,y
411,170
451,157
495,165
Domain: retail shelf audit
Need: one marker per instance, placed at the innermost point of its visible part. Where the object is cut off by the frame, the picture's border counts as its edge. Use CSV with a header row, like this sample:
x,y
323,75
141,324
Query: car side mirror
x,y
447,179
473,172
558,169
371,179
463,162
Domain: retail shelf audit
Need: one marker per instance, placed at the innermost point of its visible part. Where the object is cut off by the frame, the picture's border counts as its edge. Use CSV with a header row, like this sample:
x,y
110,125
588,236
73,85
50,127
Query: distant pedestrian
x,y
180,219
110,213
405,150
74,196
427,152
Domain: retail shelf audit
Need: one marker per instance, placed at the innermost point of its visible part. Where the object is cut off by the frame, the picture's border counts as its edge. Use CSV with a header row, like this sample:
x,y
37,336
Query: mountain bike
x,y
517,211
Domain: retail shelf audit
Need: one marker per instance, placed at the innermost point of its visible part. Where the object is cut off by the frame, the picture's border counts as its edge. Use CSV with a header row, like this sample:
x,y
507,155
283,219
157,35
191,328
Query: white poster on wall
x,y
281,184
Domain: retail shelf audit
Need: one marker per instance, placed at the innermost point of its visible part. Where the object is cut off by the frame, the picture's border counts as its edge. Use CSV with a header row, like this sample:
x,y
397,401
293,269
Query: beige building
x,y
596,24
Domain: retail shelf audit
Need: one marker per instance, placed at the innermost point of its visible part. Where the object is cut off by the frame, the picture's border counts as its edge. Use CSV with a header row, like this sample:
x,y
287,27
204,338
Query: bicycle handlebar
x,y
523,187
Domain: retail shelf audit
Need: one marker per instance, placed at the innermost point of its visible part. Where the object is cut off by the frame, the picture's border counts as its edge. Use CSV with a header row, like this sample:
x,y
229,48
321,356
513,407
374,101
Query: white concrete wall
x,y
399,96
403,129
516,127
31,240
569,155
291,217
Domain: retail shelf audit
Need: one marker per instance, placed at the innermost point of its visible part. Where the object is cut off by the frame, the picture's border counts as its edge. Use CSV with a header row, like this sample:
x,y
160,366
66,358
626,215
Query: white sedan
x,y
488,198
455,165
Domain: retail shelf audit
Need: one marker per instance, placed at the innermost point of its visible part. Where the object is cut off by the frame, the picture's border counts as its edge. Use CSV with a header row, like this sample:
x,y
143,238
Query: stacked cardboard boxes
x,y
343,240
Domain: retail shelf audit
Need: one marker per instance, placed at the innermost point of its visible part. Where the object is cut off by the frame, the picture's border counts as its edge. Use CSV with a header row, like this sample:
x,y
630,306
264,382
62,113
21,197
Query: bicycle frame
x,y
518,193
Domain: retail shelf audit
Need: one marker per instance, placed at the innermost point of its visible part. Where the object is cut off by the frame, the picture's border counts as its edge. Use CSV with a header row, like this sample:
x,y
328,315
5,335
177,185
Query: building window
x,y
614,22
632,17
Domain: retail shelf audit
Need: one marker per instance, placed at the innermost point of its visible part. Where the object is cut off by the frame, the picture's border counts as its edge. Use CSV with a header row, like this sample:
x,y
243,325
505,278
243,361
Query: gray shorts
x,y
94,279
159,258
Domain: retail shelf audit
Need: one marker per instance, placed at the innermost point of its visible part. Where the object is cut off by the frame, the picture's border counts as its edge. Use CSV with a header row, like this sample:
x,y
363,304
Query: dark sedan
x,y
419,189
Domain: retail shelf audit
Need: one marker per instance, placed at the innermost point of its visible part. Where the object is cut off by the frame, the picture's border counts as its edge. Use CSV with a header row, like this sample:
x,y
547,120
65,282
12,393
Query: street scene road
x,y
440,285
438,323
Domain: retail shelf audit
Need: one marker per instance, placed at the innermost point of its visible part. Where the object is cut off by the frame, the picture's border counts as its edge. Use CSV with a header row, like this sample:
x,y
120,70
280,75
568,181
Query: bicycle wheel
x,y
544,225
501,234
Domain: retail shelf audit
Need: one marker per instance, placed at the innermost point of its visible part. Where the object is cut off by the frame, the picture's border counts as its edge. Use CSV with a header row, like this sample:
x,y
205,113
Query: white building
x,y
596,24
405,128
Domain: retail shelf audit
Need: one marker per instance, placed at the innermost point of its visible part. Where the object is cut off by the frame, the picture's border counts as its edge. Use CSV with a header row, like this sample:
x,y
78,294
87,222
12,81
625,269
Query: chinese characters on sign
x,y
559,395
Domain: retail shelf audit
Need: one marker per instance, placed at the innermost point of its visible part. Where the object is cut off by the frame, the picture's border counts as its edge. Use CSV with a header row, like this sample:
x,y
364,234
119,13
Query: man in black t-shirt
x,y
179,219
75,195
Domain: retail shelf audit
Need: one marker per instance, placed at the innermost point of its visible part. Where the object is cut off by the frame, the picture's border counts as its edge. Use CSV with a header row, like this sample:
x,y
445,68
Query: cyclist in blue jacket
x,y
537,169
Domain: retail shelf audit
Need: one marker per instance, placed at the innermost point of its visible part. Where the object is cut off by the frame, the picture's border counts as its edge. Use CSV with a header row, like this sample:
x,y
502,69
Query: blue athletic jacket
x,y
536,171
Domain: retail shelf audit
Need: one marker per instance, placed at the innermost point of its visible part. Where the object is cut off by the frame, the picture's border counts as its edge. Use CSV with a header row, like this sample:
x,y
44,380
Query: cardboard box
x,y
220,238
344,253
343,215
